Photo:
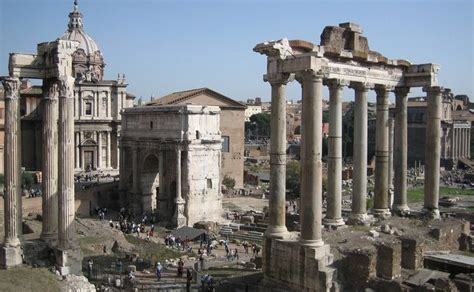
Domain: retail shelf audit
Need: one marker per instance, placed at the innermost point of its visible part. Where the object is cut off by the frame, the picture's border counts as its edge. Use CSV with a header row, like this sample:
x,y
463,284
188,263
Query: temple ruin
x,y
342,59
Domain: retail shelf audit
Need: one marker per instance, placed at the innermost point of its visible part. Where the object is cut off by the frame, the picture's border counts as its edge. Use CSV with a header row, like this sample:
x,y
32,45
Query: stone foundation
x,y
388,260
10,257
412,252
69,261
296,267
360,264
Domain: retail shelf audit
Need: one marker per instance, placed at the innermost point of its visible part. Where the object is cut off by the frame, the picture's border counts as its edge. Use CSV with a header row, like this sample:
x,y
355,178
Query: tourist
x,y
189,278
180,268
158,271
90,264
236,254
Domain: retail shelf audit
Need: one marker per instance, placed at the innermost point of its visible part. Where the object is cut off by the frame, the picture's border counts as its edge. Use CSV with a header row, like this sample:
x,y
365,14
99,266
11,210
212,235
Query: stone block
x,y
360,267
10,257
412,253
389,260
132,268
69,261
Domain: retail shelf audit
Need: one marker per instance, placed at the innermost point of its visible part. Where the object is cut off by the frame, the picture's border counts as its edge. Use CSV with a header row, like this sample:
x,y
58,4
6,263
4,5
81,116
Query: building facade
x,y
232,119
171,162
97,107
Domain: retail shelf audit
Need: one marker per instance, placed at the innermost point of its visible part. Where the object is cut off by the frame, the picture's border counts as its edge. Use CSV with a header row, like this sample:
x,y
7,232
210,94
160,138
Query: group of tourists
x,y
176,242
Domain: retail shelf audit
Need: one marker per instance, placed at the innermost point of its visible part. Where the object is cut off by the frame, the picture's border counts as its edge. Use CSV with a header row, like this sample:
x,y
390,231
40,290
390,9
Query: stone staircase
x,y
169,282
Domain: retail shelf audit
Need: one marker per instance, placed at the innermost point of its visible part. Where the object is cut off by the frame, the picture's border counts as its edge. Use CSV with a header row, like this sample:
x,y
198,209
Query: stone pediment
x,y
201,96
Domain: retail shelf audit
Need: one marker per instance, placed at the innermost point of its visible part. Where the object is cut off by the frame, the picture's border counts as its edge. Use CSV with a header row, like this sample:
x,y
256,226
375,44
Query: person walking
x,y
180,268
189,278
159,268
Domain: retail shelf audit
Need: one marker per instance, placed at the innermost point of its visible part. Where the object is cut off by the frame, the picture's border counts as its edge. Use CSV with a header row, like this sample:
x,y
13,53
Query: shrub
x,y
228,182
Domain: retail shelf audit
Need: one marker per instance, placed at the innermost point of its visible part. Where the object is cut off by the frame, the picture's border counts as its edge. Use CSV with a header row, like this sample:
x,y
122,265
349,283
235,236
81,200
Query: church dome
x,y
87,60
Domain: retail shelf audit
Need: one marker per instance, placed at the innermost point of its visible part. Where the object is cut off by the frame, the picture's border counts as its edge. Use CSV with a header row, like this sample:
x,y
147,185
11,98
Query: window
x,y
151,125
88,108
225,143
209,183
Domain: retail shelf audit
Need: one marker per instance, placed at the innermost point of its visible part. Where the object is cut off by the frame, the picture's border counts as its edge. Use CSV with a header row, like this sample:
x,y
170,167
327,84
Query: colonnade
x,y
58,166
99,137
311,151
461,137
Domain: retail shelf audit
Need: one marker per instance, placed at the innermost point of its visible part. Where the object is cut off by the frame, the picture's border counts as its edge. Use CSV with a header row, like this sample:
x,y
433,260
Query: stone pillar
x,y
359,189
311,152
381,153
179,218
11,252
108,150
433,147
277,227
390,153
400,156
99,150
161,169
66,163
135,184
49,232
469,141
334,197
76,148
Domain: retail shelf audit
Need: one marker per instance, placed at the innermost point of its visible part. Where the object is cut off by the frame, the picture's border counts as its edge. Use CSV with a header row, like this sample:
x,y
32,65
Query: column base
x,y
11,257
401,210
311,243
277,232
431,213
50,238
382,213
68,261
360,219
333,222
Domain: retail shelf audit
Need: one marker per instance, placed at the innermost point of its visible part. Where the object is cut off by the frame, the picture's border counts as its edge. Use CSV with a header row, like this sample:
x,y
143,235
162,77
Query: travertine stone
x,y
433,147
311,168
179,218
334,198
49,231
359,188
381,153
277,227
66,163
10,255
400,154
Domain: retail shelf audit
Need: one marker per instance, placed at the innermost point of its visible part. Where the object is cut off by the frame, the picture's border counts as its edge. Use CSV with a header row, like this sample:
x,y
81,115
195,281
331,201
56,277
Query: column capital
x,y
361,86
51,91
401,91
336,83
381,89
308,74
66,87
278,78
12,87
433,89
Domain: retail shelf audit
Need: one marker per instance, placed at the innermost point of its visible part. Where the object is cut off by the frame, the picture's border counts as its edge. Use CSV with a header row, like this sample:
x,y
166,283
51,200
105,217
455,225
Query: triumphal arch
x,y
341,59
170,164
53,65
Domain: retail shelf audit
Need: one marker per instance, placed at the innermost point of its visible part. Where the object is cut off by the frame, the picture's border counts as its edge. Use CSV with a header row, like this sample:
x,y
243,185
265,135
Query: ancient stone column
x,y
277,227
109,142
49,231
135,184
334,196
400,155
99,150
311,152
66,164
11,252
161,169
390,153
432,150
179,218
381,153
76,149
359,178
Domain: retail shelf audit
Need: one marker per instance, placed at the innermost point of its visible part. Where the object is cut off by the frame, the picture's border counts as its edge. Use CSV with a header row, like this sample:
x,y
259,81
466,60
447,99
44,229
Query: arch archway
x,y
149,178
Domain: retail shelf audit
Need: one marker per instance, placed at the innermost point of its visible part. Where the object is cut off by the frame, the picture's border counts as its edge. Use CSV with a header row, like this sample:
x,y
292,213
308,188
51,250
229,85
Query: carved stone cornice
x,y
11,86
362,86
309,75
335,83
280,78
401,91
66,87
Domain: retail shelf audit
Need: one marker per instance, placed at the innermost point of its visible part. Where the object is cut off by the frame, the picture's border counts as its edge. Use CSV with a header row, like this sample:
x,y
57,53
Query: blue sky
x,y
167,46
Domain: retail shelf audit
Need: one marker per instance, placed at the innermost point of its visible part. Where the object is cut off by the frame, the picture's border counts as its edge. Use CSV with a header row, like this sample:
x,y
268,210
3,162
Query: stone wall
x,y
232,125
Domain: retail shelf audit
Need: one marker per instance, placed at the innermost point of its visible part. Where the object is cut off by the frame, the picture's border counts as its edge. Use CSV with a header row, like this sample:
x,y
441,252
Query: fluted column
x,y
381,153
432,150
135,186
359,188
66,163
76,148
179,218
400,156
334,197
108,150
277,227
10,255
311,152
99,150
49,231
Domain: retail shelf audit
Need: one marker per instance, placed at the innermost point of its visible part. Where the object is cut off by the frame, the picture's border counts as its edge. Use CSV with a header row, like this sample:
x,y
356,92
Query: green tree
x,y
228,182
27,180
293,179
261,124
